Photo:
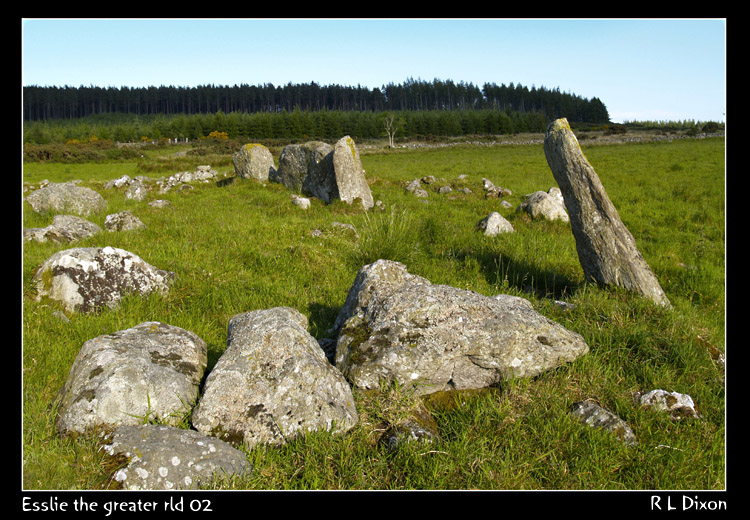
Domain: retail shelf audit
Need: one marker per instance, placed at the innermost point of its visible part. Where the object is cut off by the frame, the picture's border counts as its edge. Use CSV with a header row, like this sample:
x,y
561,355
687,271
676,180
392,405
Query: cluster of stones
x,y
678,406
314,168
274,381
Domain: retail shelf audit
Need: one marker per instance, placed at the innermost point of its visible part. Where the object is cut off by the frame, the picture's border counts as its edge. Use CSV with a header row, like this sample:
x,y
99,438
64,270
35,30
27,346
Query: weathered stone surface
x,y
308,168
494,224
606,250
122,221
324,171
273,383
66,198
597,417
253,161
676,404
152,370
396,326
350,177
64,228
541,204
84,279
168,458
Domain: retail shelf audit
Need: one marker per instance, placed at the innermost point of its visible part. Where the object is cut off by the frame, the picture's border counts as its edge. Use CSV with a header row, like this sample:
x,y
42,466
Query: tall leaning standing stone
x,y
606,249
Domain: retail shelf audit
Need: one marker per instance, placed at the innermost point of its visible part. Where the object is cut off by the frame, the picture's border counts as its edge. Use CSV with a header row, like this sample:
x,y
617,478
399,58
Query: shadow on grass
x,y
505,272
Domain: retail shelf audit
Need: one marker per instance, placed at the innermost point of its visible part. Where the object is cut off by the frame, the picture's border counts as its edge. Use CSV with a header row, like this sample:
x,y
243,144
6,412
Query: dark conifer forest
x,y
300,111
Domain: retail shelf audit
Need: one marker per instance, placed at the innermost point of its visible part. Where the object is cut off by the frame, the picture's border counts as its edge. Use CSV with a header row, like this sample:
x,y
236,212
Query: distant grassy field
x,y
244,246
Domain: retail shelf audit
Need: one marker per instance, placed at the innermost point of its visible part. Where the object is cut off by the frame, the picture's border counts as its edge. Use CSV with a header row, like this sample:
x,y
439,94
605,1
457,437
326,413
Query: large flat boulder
x,y
161,457
396,326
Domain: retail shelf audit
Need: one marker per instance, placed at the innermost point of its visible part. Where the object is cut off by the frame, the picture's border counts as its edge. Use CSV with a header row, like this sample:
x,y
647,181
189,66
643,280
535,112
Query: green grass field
x,y
244,246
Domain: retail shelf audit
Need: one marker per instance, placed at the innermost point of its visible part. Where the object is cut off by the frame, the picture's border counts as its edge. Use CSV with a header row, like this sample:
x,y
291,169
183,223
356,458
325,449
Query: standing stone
x,y
307,167
272,383
350,177
320,180
253,161
151,371
606,249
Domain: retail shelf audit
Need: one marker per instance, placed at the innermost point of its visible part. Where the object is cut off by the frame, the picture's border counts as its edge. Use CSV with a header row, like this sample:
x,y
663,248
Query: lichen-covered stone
x,y
308,168
350,176
325,172
86,279
396,326
66,198
64,228
273,383
149,372
168,458
253,161
606,250
677,405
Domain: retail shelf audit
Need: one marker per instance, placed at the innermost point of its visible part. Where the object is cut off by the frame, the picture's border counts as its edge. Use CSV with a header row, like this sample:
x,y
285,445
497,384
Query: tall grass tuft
x,y
387,235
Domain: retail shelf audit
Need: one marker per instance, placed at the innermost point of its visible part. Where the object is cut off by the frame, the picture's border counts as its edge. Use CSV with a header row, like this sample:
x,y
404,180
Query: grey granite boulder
x,y
167,458
85,279
325,172
307,168
64,228
495,224
396,326
272,383
122,221
253,161
66,198
541,204
149,372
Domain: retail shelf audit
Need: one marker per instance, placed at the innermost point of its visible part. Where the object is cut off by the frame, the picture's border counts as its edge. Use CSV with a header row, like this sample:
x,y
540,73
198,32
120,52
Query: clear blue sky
x,y
641,69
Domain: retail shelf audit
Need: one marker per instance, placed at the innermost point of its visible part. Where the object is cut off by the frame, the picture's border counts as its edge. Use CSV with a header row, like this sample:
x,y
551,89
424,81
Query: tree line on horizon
x,y
53,103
